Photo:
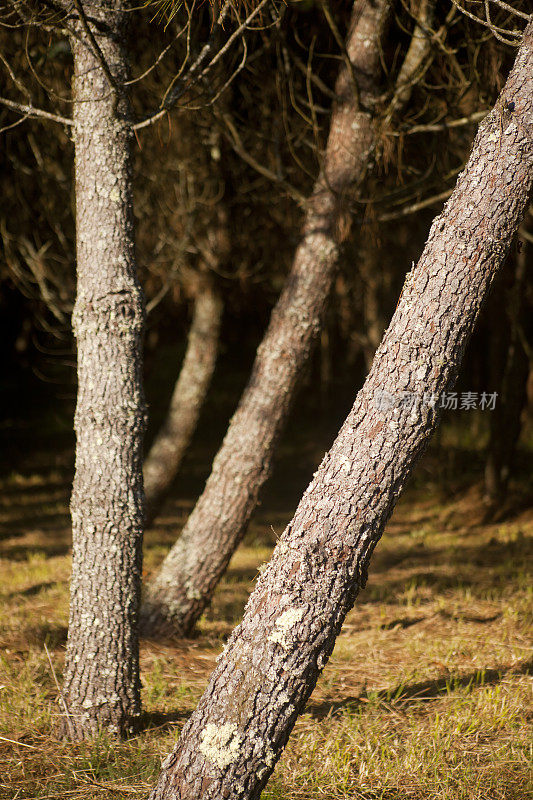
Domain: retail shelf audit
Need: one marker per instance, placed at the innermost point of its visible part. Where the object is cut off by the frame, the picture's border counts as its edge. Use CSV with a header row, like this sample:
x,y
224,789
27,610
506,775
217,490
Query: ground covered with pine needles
x,y
427,695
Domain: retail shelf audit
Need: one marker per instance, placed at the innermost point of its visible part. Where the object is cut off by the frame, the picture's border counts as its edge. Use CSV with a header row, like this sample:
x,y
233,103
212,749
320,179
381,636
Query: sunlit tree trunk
x,y
185,583
272,661
169,446
101,681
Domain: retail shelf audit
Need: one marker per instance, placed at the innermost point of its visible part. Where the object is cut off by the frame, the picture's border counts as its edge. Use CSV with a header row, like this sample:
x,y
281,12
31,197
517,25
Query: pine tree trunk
x,y
185,583
101,683
272,661
169,446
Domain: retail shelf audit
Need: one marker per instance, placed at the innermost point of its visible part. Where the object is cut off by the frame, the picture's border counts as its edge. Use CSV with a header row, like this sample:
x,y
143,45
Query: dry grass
x,y
427,695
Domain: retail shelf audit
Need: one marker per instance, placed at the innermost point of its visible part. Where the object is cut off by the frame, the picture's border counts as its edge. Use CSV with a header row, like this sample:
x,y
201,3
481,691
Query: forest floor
x,y
427,694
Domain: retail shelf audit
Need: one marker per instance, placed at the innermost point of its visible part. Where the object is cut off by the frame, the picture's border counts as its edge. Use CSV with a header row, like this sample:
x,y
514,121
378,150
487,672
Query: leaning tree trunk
x,y
272,661
185,583
101,688
169,446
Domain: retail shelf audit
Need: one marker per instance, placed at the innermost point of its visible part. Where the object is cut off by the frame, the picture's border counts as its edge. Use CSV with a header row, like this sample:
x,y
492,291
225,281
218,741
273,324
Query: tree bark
x,y
165,456
101,682
185,583
271,662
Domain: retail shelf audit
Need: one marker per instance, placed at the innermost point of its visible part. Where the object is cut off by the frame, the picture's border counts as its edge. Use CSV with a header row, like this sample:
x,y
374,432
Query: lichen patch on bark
x,y
220,743
283,625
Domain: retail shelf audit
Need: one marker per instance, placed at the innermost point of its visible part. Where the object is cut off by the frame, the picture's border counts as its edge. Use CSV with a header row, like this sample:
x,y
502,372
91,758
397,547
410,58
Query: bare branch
x,y
195,73
13,125
223,50
490,26
412,209
441,126
161,294
512,10
158,60
236,143
314,78
227,83
168,101
179,73
30,111
30,19
20,86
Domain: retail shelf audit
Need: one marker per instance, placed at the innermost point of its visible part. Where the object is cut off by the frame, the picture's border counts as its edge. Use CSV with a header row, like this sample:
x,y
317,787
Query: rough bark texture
x,y
184,586
272,661
101,685
164,459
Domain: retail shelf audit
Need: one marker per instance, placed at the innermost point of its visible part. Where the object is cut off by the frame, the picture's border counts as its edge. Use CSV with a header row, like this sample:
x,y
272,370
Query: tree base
x,y
81,725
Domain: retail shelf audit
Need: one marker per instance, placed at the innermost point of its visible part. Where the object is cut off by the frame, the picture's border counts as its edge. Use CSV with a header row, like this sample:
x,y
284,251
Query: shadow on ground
x,y
424,691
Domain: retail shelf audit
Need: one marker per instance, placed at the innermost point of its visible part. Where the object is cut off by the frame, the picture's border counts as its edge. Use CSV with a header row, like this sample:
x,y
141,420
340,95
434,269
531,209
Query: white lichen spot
x,y
220,743
283,698
283,625
321,660
270,756
282,547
